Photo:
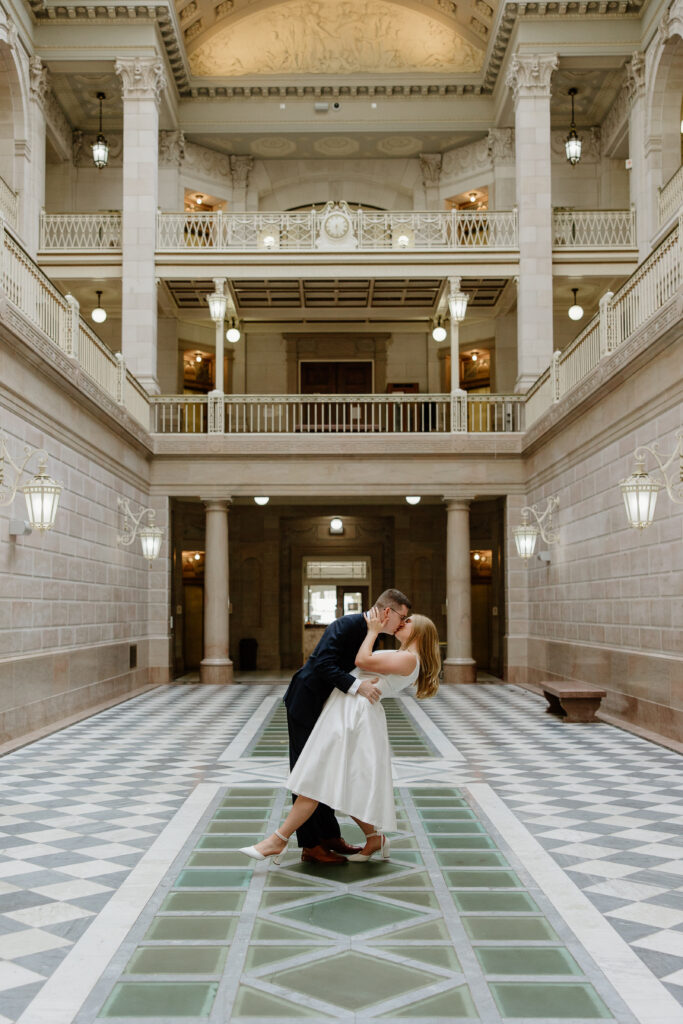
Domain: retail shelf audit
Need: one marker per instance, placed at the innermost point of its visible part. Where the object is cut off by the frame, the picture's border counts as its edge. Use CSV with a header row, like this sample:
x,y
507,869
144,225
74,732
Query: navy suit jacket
x,y
329,665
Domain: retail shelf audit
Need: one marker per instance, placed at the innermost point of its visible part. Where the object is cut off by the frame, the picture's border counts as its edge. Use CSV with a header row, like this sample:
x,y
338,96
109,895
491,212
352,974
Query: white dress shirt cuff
x,y
353,688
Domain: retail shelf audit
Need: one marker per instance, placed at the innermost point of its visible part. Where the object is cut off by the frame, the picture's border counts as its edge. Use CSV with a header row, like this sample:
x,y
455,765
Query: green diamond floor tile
x,y
243,813
203,902
460,842
501,929
436,956
275,898
438,801
448,811
450,825
349,872
251,1003
526,960
422,899
431,931
405,856
349,915
222,841
481,879
291,879
270,931
420,791
351,981
243,826
194,928
160,999
438,829
177,960
248,801
528,1000
495,902
453,1005
251,791
213,878
405,843
261,956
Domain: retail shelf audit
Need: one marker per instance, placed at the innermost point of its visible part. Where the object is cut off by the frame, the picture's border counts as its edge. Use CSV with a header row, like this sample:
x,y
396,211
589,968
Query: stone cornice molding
x,y
142,78
500,145
240,168
430,167
530,74
171,148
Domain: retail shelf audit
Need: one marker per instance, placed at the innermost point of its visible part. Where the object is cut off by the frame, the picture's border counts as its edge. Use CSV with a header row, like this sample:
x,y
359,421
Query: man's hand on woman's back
x,y
368,689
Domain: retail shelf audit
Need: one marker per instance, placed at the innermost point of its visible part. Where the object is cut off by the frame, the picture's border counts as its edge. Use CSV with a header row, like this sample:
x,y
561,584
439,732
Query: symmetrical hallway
x,y
536,874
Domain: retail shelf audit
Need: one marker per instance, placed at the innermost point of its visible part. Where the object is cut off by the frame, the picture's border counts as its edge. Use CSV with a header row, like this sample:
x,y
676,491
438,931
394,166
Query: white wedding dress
x,y
346,762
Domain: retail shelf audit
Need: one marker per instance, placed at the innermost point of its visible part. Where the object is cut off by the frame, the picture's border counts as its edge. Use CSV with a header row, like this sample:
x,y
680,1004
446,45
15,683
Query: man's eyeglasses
x,y
401,617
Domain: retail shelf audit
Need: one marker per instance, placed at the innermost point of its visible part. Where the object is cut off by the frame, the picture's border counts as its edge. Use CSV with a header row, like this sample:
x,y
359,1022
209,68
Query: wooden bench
x,y
575,702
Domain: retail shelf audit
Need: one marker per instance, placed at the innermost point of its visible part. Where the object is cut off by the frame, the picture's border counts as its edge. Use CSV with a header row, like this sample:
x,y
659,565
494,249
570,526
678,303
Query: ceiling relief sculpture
x,y
334,37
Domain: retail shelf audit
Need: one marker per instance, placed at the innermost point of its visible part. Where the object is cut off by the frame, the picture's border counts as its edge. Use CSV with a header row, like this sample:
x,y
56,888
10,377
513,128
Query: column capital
x,y
141,77
171,148
240,168
635,76
430,166
529,74
457,502
216,504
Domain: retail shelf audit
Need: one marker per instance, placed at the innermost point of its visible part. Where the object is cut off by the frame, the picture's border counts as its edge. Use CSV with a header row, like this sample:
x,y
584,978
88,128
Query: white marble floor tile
x,y
13,868
625,890
32,940
14,975
48,913
604,869
669,942
92,868
71,890
648,913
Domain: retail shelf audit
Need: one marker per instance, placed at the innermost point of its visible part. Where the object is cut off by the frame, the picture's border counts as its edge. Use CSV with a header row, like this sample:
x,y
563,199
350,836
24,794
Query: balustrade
x,y
594,229
80,230
9,205
670,197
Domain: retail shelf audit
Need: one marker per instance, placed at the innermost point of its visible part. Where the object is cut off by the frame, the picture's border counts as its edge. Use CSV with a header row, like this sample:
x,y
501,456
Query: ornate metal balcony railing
x,y
621,314
670,197
37,300
9,205
445,230
337,414
80,231
594,229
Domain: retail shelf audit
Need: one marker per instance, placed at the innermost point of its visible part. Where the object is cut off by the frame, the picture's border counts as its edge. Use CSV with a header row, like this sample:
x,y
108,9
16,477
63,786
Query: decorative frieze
x,y
615,120
466,160
635,75
430,166
141,78
207,162
500,144
240,167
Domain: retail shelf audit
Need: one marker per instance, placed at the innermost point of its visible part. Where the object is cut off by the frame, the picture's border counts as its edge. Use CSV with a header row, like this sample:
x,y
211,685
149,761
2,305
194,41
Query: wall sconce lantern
x,y
150,535
41,493
413,499
99,313
439,332
572,144
457,301
261,499
100,147
575,311
640,490
217,306
527,534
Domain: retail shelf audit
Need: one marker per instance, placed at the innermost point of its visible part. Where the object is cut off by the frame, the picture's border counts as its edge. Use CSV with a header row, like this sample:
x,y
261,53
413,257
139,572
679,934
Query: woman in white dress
x,y
346,762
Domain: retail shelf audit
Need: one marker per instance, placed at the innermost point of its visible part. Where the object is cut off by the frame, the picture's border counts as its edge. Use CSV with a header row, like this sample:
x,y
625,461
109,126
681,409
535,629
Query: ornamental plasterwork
x,y
530,74
466,160
141,78
240,167
635,75
501,145
207,162
615,119
341,37
42,92
171,148
430,165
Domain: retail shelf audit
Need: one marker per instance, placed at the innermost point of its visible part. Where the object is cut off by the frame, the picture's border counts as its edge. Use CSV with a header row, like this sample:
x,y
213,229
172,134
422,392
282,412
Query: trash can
x,y
248,648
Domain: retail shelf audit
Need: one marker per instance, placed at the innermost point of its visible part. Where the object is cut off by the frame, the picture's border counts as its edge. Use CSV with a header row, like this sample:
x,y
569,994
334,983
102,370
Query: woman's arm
x,y
399,663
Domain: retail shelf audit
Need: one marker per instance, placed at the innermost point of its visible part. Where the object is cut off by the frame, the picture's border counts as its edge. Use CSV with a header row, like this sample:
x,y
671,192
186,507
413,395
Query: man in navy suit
x,y
330,665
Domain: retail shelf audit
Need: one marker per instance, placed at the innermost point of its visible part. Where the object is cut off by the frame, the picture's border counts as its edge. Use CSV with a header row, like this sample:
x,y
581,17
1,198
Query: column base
x,y
459,671
214,670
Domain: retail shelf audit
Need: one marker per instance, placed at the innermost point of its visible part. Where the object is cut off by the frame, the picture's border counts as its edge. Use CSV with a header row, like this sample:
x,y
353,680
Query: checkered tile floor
x,y
80,808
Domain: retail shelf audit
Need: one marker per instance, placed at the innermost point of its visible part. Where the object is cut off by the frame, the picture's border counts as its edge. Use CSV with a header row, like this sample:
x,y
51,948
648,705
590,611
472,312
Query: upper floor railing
x,y
620,315
35,297
9,205
670,197
431,230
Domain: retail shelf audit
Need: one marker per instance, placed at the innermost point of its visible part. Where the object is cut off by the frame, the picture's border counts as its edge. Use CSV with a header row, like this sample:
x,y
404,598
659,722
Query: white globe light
x,y
99,315
336,525
261,500
439,333
413,499
403,241
575,312
269,241
233,334
197,557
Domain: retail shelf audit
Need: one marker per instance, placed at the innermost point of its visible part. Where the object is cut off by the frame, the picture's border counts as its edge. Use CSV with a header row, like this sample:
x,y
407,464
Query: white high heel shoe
x,y
383,849
251,851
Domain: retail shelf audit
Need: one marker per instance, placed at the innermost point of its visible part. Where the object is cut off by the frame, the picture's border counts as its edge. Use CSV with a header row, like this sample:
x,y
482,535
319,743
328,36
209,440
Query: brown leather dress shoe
x,y
319,855
339,845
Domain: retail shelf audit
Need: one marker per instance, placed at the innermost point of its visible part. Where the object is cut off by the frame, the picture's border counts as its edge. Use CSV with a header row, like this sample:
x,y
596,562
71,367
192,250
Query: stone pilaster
x,y
430,167
501,149
240,167
459,666
216,666
529,79
142,82
643,151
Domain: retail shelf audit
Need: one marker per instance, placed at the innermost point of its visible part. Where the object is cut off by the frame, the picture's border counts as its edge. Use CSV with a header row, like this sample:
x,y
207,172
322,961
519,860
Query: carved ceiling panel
x,y
333,37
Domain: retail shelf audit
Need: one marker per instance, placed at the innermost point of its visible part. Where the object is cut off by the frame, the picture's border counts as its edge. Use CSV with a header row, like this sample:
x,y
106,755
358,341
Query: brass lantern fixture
x,y
572,144
100,147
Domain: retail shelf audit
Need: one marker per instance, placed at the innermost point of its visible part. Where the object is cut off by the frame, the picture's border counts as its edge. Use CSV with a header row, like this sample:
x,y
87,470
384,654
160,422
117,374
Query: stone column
x,y
142,81
459,666
216,666
529,78
640,151
430,166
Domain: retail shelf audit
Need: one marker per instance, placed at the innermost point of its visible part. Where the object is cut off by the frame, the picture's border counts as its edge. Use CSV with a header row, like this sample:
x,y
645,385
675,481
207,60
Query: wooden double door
x,y
336,378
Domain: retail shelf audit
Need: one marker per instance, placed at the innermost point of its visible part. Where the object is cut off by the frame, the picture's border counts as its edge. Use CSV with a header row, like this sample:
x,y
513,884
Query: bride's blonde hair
x,y
424,632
